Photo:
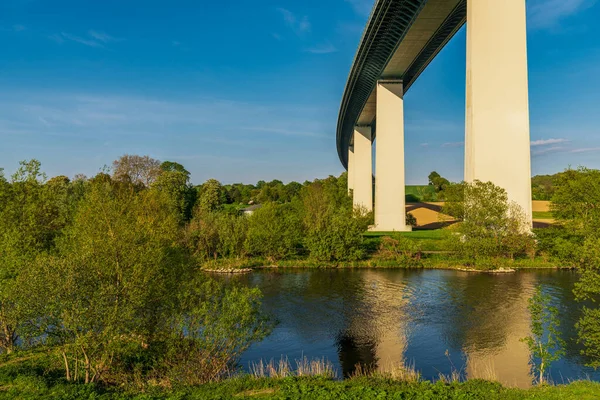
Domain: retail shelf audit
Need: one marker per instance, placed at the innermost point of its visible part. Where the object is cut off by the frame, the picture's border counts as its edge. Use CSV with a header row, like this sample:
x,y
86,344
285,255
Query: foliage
x,y
210,196
33,213
576,206
438,182
214,234
400,249
275,231
545,344
137,170
214,325
490,226
107,291
96,274
411,220
333,228
576,201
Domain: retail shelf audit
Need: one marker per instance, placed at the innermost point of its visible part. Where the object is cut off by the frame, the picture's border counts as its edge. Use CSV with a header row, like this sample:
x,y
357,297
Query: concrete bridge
x,y
401,38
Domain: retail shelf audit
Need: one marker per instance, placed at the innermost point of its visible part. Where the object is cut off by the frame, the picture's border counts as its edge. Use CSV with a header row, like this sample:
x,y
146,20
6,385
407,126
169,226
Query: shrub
x,y
212,235
490,225
401,249
340,239
274,232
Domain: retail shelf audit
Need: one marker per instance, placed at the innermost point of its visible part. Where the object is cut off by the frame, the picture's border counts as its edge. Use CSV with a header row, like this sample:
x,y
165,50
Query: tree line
x,y
103,272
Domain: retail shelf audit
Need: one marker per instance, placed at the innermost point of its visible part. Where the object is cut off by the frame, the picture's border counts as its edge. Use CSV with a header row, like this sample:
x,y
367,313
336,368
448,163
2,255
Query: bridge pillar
x,y
497,143
350,169
363,168
390,203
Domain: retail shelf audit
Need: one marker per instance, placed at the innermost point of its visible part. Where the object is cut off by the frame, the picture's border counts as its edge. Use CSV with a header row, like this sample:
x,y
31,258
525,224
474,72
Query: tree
x,y
33,213
106,294
576,206
489,226
211,196
545,344
333,227
438,182
174,180
576,202
275,231
138,170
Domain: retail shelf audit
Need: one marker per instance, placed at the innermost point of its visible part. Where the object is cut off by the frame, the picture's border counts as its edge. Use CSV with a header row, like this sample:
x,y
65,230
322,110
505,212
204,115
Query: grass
x,y
543,215
420,190
430,240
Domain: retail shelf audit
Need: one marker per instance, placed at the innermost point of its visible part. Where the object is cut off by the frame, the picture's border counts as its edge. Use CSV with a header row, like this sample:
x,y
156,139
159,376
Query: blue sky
x,y
242,91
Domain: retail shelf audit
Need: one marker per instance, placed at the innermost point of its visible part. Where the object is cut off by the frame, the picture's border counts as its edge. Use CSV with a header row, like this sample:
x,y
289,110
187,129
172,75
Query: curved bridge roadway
x,y
400,40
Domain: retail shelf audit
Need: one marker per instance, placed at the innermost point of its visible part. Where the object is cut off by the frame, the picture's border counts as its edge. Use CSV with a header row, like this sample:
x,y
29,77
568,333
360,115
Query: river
x,y
438,321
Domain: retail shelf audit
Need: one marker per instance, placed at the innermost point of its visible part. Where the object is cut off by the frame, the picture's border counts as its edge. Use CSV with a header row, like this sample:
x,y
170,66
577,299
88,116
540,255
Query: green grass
x,y
420,190
428,240
542,215
26,380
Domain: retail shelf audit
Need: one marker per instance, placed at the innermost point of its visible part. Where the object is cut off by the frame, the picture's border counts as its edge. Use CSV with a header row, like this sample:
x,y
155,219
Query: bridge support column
x,y
363,168
351,169
390,203
497,143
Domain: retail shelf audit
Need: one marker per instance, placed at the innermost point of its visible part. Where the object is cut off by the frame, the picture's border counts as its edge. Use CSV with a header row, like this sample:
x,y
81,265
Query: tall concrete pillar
x,y
351,168
497,144
390,207
363,168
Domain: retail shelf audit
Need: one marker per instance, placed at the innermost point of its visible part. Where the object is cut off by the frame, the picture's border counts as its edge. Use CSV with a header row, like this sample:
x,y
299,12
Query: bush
x,y
339,237
490,226
213,235
400,249
275,231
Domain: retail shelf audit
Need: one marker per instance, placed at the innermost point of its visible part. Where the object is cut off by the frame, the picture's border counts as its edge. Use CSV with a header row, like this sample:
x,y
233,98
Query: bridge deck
x,y
401,38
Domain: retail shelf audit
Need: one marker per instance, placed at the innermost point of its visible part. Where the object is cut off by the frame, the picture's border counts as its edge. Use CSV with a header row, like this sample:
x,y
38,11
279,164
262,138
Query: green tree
x,y
489,225
211,196
545,344
333,227
106,295
32,216
576,206
438,182
275,231
174,180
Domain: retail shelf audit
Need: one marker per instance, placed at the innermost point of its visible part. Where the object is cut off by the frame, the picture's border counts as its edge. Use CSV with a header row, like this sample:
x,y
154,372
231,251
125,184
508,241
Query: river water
x,y
435,320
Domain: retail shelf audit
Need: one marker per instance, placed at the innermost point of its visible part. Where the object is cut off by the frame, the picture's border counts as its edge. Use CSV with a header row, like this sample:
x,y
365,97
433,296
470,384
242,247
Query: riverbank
x,y
37,383
421,261
427,249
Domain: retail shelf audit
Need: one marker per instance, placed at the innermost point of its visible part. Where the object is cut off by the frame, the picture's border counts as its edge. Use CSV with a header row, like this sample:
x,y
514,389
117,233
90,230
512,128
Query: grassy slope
x,y
419,190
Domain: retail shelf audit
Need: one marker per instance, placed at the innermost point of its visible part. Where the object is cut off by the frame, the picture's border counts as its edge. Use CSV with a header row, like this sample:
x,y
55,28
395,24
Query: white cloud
x,y
545,142
453,144
546,14
101,36
18,28
93,38
324,48
553,149
586,150
299,25
362,7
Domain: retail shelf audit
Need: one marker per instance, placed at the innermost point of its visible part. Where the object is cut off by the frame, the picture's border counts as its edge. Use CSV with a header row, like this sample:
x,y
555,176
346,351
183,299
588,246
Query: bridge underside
x,y
400,40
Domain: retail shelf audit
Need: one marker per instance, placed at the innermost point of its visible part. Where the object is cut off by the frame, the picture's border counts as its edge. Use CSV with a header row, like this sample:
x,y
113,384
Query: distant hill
x,y
419,193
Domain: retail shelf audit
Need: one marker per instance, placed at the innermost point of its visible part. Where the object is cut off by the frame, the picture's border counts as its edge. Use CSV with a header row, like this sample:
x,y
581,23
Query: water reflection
x,y
439,321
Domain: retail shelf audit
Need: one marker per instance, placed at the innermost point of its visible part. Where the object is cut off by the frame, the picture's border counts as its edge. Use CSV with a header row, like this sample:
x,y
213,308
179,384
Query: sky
x,y
243,91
